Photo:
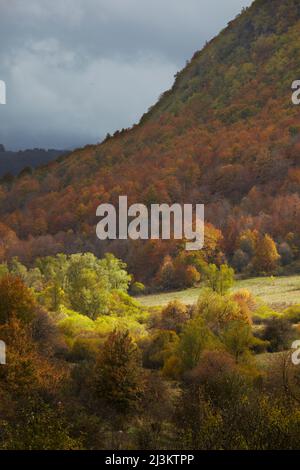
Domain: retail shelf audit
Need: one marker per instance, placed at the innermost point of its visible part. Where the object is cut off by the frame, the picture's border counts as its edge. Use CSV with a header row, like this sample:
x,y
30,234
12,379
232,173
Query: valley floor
x,y
279,292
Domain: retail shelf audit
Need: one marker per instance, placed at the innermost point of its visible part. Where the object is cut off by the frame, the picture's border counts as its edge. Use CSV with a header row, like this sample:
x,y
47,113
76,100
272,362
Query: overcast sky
x,y
77,69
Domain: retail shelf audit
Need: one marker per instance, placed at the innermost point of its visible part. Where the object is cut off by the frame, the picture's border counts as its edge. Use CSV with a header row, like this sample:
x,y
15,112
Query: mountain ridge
x,y
14,162
226,134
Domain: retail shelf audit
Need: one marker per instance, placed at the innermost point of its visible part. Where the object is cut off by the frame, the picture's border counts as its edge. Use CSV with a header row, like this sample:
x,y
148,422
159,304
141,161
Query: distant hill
x,y
226,134
15,162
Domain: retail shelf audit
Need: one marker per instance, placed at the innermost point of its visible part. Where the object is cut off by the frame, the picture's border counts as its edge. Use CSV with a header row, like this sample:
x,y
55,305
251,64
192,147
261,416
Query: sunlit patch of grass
x,y
278,292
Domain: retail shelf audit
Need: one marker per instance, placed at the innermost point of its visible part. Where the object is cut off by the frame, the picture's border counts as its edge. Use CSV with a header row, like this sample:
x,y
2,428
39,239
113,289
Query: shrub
x,y
174,316
219,310
279,333
292,314
158,348
137,288
263,313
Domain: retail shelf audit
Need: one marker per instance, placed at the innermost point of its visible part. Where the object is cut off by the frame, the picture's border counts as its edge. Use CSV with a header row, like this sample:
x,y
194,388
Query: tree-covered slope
x,y
227,134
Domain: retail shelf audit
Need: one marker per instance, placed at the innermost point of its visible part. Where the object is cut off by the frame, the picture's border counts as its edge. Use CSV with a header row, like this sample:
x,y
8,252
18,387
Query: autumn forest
x,y
89,366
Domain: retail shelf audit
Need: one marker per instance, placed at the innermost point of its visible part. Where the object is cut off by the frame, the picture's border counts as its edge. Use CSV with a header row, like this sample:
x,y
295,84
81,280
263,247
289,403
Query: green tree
x,y
238,339
84,287
220,279
90,280
195,338
115,270
87,293
54,273
18,269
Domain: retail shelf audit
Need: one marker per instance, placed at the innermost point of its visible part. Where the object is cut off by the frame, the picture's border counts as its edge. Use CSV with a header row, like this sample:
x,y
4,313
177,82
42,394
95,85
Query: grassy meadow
x,y
278,292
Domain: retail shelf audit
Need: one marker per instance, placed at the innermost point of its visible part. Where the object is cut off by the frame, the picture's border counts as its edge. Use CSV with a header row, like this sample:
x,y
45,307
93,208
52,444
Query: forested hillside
x,y
87,365
226,134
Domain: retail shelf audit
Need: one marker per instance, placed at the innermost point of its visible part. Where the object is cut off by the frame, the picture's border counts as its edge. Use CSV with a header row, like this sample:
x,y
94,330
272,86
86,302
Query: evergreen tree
x,y
118,377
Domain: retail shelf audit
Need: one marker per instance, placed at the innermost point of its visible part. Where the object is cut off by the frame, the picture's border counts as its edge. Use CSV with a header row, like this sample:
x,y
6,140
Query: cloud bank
x,y
77,69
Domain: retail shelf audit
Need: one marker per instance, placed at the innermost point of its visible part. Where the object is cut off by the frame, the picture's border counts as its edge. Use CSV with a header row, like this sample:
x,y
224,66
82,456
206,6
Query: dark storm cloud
x,y
76,69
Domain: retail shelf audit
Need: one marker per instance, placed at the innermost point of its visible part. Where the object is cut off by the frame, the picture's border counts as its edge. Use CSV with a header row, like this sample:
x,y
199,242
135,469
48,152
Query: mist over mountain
x,y
15,162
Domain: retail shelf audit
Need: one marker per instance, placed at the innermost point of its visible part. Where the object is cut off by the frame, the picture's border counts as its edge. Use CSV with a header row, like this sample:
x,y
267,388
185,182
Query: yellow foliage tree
x,y
266,256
